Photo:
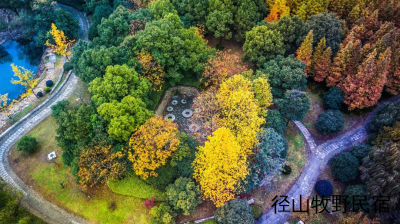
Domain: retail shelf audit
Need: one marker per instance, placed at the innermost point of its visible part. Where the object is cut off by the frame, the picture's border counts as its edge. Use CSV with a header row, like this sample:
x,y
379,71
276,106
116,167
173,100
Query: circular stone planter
x,y
184,101
170,117
174,102
175,97
194,128
170,109
187,113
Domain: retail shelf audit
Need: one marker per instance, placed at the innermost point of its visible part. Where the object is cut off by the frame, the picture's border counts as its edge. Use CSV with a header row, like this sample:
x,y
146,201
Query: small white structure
x,y
170,109
51,156
170,117
193,127
187,113
300,222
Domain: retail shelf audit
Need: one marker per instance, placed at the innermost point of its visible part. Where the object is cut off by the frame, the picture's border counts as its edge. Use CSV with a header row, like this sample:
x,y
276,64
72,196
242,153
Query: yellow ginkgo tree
x,y
61,42
25,78
4,104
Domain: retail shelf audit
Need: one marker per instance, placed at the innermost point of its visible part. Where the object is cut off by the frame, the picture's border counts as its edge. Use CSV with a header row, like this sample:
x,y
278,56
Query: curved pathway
x,y
320,156
30,199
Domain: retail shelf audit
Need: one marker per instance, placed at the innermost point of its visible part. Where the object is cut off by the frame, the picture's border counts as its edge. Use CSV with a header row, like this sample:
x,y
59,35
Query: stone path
x,y
320,156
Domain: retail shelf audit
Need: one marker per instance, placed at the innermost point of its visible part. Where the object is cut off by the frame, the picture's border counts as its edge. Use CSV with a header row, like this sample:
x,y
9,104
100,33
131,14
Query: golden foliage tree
x,y
4,104
151,146
25,78
278,10
240,111
263,94
99,164
61,43
304,53
220,166
151,70
224,65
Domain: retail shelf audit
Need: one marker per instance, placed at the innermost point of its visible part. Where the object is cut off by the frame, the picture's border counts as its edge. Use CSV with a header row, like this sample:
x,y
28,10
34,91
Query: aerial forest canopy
x,y
255,66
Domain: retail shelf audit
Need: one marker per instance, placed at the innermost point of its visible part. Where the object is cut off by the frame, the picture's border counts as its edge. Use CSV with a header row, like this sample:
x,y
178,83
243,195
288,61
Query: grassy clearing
x,y
296,157
135,187
55,183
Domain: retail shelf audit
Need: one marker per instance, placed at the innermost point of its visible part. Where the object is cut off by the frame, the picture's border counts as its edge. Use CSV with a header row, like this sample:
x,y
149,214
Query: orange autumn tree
x,y
220,166
151,146
278,10
151,70
240,111
305,51
61,42
365,88
224,65
321,61
99,164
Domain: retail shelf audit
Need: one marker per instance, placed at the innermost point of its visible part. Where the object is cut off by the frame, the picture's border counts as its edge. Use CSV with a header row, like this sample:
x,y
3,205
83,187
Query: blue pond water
x,y
12,52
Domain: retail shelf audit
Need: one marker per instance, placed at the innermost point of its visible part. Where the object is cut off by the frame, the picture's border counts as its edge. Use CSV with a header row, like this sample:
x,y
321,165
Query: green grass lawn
x,y
135,187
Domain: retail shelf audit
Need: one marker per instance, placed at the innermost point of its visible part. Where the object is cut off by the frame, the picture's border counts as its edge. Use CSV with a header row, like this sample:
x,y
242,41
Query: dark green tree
x,y
330,122
101,11
248,14
118,82
262,44
276,121
184,195
113,30
294,105
285,73
180,51
333,99
220,19
193,10
159,8
27,144
270,155
345,167
90,5
356,191
326,25
234,212
360,151
380,171
93,62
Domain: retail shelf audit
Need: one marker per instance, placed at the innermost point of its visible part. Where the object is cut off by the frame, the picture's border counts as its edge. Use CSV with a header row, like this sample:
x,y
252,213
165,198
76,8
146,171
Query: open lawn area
x,y
296,157
55,183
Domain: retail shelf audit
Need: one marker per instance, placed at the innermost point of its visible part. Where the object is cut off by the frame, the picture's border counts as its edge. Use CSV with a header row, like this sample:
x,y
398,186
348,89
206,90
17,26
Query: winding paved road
x,y
320,156
30,199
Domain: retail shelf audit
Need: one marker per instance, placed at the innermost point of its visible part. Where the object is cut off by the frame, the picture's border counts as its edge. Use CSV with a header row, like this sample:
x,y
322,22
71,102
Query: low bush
x,y
49,83
27,144
47,89
166,176
324,188
135,187
286,170
39,94
257,211
68,66
357,191
330,122
162,214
